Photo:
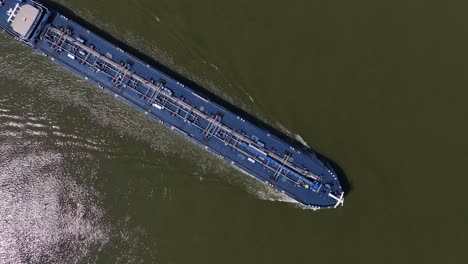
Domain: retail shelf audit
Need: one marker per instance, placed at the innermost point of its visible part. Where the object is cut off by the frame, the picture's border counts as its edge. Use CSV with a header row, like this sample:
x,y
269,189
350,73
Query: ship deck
x,y
298,174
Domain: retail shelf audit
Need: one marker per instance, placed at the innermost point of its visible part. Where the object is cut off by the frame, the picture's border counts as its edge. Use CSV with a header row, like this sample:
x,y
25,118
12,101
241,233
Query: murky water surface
x,y
378,87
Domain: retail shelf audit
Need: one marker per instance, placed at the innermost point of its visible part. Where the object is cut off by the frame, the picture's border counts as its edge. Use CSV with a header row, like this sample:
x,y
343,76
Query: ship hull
x,y
294,170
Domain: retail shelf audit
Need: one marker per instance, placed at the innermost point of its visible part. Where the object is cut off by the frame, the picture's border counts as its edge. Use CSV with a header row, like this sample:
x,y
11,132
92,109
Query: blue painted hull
x,y
295,171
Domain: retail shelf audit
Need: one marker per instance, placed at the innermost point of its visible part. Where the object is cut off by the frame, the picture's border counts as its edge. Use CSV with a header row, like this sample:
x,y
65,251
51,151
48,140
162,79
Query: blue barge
x,y
297,172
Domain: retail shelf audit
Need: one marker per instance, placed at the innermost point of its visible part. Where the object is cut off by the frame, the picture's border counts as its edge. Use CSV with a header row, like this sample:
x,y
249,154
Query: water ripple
x,y
45,216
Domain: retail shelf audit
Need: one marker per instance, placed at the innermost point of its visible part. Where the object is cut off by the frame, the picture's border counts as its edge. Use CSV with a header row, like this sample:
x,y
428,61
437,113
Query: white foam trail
x,y
300,139
214,66
12,117
265,192
36,133
34,125
12,124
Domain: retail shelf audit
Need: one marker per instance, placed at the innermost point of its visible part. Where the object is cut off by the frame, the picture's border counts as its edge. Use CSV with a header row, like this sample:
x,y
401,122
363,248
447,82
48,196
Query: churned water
x,y
380,88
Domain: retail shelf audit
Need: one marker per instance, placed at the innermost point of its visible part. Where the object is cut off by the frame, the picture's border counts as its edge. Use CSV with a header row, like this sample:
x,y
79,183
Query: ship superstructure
x,y
297,172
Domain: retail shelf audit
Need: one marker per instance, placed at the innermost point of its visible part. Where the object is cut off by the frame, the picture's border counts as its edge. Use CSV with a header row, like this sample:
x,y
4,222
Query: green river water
x,y
378,87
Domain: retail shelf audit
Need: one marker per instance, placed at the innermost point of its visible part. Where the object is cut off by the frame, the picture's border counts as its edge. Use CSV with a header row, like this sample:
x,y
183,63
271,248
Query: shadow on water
x,y
346,185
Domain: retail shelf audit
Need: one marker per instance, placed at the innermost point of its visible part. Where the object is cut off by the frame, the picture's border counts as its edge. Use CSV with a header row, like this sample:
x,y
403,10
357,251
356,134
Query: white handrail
x,y
12,12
